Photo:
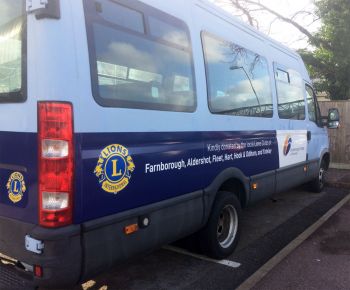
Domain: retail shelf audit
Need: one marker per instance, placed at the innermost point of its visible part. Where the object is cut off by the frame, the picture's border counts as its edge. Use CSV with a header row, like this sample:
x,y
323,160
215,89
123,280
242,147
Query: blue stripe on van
x,y
18,152
199,155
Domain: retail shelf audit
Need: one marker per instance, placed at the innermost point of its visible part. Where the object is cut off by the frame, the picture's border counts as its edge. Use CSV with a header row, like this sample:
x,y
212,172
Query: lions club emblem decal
x,y
114,168
16,187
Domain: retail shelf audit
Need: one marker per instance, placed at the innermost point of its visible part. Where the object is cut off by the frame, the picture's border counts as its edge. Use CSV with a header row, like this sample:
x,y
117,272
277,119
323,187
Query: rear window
x,y
12,51
142,60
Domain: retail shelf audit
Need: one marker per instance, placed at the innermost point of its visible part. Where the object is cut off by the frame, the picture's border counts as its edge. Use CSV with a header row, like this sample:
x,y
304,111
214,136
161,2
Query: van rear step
x,y
10,278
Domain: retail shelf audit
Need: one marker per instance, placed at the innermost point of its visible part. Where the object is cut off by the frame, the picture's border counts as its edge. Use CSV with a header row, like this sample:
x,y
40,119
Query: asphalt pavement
x,y
322,260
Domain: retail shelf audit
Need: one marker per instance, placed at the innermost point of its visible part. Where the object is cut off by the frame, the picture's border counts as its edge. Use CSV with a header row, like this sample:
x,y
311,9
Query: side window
x,y
314,111
238,79
290,92
136,67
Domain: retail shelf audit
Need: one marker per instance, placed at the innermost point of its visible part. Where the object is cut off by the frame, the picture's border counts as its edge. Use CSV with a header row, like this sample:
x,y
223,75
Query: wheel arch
x,y
236,187
231,180
326,158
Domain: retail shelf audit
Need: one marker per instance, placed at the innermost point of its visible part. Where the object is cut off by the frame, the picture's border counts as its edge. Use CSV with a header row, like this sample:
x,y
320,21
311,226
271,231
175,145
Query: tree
x,y
331,64
328,56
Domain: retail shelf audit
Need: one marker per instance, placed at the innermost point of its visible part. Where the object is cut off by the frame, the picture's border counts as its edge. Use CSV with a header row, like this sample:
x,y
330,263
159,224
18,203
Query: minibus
x,y
129,124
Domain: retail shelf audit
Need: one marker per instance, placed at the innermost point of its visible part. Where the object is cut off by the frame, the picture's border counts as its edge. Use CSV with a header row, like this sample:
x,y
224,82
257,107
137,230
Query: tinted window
x,y
138,70
238,79
121,15
168,32
290,91
11,50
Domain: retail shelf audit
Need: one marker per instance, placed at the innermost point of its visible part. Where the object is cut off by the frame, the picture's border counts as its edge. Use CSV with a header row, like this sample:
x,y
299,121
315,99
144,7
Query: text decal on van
x,y
114,168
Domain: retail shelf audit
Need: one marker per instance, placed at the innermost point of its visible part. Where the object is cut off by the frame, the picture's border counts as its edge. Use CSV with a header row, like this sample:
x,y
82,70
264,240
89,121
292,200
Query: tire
x,y
220,236
317,185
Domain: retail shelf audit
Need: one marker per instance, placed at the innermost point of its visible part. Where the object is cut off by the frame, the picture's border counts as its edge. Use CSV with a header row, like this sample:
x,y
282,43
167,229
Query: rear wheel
x,y
317,185
220,236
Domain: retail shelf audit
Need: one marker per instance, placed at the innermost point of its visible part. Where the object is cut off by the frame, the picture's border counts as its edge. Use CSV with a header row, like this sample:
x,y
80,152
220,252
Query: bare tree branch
x,y
245,11
248,7
271,23
302,12
283,18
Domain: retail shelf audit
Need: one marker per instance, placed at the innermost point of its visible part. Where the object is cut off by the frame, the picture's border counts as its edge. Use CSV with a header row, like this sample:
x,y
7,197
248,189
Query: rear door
x,y
18,146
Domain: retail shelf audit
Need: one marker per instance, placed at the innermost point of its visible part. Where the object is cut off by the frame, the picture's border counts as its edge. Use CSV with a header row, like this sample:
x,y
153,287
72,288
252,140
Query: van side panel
x,y
169,164
147,150
171,171
105,242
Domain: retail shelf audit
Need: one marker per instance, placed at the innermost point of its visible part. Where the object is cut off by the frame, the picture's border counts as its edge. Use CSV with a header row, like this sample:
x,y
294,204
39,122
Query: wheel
x,y
317,184
220,236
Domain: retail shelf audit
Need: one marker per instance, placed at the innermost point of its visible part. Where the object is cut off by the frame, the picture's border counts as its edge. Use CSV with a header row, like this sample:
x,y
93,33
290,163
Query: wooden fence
x,y
340,138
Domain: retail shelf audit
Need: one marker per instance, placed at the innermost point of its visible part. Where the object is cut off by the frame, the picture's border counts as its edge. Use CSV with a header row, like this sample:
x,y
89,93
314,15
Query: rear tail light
x,y
56,163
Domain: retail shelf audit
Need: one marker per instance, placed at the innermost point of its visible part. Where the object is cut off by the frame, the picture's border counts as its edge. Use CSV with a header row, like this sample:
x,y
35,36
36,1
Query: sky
x,y
279,30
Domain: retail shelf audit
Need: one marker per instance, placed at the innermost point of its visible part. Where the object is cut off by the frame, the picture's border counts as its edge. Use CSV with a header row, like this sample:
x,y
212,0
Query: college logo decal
x,y
16,187
114,168
287,145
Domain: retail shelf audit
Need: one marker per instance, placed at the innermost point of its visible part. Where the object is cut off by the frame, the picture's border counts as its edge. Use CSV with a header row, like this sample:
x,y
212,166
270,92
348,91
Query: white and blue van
x,y
129,124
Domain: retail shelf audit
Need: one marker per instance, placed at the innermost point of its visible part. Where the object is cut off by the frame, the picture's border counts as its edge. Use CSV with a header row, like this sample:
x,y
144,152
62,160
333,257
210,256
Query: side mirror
x,y
333,119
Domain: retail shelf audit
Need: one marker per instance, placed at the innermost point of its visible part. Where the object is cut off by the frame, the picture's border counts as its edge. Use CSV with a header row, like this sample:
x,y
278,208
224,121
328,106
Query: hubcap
x,y
227,226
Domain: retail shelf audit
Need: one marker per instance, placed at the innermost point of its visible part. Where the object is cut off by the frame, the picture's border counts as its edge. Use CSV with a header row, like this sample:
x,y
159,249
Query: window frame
x,y
20,96
279,67
206,71
146,11
318,116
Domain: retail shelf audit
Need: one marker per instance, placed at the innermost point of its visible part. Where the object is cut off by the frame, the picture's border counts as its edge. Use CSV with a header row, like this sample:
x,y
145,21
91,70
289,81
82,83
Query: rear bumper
x,y
75,253
61,257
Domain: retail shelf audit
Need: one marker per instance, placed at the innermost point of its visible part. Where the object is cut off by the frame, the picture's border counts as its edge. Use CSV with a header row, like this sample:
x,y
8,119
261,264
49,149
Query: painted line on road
x,y
227,263
274,261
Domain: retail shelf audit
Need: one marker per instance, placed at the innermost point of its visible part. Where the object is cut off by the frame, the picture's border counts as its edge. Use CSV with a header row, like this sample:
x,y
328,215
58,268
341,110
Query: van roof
x,y
236,21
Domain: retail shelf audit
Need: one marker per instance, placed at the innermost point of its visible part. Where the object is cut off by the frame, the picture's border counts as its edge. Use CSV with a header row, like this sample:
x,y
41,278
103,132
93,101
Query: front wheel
x,y
220,236
317,185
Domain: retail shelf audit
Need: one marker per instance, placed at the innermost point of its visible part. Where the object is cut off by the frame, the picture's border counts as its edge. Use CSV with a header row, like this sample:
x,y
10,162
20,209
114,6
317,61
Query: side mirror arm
x,y
324,121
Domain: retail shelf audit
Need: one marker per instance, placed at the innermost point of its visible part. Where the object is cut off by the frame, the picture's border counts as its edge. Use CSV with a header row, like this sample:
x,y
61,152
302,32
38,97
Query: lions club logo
x,y
16,187
114,168
287,145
